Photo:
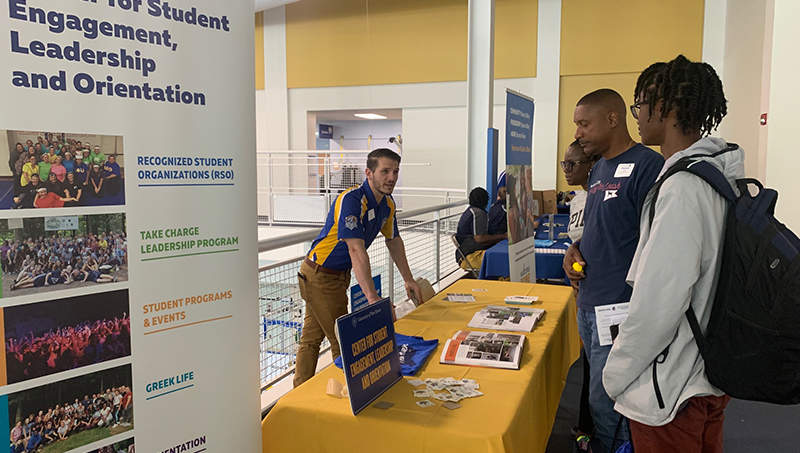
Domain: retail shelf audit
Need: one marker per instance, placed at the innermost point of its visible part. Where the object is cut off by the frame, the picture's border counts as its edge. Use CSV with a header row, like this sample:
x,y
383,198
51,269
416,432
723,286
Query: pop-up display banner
x,y
520,204
369,353
134,257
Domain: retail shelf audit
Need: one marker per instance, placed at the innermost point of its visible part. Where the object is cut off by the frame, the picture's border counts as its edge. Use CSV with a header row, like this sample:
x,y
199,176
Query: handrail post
x,y
269,189
436,244
391,277
326,165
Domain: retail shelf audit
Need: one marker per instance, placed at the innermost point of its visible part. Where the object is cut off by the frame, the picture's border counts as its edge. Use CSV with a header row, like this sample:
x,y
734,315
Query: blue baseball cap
x,y
501,180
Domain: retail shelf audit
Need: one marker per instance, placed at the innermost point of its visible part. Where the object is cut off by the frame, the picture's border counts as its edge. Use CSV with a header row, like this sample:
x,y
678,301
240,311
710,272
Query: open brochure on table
x,y
486,349
501,317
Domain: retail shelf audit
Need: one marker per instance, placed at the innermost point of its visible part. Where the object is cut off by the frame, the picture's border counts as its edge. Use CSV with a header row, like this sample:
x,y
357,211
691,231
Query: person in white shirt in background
x,y
576,166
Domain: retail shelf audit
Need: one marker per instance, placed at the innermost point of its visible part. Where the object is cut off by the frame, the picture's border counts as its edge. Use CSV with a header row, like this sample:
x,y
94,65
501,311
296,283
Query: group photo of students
x,y
35,259
55,170
71,413
50,337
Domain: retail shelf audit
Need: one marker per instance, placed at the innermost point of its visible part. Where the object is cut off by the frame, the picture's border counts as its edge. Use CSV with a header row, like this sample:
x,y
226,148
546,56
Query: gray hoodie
x,y
677,261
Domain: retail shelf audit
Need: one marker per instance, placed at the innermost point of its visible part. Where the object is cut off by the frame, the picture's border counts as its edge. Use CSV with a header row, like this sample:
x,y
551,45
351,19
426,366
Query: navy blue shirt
x,y
473,222
112,169
498,223
354,215
81,172
617,188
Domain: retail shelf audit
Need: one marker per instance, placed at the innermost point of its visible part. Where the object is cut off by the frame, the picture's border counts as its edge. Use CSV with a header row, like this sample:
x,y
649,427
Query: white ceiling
x,y
349,115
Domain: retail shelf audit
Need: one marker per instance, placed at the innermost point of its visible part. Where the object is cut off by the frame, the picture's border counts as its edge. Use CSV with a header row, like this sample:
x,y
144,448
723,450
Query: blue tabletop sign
x,y
370,361
519,129
358,299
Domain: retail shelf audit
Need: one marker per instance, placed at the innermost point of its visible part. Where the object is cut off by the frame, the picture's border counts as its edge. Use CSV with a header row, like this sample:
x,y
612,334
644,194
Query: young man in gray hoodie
x,y
668,398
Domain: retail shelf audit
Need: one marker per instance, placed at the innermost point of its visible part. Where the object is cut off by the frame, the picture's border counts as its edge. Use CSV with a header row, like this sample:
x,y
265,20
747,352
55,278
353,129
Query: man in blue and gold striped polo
x,y
354,221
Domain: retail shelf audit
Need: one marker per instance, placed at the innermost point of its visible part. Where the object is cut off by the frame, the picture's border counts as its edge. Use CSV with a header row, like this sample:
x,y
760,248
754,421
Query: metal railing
x,y
298,187
430,253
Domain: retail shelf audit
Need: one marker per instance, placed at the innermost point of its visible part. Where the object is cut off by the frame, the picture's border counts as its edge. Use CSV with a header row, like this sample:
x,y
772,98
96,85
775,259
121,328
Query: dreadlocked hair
x,y
694,89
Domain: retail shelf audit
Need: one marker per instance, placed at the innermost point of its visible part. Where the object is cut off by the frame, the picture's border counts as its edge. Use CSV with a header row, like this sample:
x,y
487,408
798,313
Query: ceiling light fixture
x,y
370,116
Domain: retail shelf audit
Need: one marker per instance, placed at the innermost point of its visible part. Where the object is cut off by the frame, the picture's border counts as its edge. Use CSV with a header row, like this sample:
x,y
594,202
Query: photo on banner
x,y
520,203
65,415
123,446
51,337
46,254
95,161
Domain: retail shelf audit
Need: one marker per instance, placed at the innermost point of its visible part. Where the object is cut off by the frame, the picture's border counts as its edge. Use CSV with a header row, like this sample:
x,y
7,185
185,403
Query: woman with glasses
x,y
576,166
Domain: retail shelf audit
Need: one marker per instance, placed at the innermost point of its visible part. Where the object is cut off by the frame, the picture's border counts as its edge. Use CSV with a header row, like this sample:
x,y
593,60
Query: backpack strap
x,y
713,177
709,173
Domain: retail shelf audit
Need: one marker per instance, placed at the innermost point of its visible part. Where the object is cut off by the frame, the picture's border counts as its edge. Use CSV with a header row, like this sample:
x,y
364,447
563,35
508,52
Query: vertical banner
x,y
519,184
128,226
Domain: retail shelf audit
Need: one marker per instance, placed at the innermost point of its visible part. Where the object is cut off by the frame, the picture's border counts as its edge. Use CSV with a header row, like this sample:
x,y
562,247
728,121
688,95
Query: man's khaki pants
x,y
326,300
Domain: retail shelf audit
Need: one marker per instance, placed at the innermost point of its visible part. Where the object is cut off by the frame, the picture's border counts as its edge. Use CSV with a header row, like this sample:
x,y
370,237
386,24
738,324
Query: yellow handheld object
x,y
577,266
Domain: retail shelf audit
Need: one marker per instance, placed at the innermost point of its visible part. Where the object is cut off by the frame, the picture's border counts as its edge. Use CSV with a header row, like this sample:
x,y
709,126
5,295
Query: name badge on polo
x,y
624,170
371,215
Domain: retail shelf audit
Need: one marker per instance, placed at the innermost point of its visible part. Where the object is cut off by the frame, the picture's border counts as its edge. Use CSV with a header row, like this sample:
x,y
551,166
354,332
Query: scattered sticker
x,y
416,382
452,406
425,403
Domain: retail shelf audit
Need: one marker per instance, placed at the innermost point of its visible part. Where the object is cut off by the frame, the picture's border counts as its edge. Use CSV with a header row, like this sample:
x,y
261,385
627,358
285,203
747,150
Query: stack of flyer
x,y
501,317
486,349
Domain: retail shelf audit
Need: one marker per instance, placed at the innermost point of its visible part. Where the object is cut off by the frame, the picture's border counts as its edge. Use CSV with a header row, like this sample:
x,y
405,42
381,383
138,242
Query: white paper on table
x,y
607,316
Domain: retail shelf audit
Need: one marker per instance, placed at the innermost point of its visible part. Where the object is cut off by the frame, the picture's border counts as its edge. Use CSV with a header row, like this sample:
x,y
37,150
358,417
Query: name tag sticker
x,y
371,214
624,170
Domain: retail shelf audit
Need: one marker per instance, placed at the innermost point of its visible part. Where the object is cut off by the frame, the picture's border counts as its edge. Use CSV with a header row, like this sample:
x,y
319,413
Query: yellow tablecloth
x,y
516,413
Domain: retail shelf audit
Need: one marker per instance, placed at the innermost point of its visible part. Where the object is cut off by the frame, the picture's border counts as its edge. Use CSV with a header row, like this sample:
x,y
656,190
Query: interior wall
x,y
356,133
742,77
784,99
379,42
434,121
575,87
628,35
342,36
259,51
615,62
435,135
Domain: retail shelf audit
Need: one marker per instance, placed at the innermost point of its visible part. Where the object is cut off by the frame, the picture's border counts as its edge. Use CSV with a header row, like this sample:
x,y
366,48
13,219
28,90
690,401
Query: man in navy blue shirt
x,y
618,184
472,231
112,174
498,221
355,219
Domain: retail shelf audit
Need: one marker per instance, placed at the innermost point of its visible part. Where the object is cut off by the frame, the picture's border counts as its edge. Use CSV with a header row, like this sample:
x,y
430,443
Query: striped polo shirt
x,y
355,214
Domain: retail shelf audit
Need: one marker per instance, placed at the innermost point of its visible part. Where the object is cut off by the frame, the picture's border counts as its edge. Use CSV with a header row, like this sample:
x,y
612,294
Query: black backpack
x,y
751,347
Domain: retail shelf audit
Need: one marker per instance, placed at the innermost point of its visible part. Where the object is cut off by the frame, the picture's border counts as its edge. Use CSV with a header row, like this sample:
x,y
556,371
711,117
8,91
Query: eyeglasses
x,y
567,165
636,108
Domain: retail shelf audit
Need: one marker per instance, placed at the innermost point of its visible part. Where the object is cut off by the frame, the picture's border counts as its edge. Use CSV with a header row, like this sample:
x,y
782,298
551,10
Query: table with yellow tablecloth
x,y
515,414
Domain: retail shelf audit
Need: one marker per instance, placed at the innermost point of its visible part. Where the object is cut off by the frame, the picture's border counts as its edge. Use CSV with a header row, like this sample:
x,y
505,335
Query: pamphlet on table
x,y
500,317
521,300
485,349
